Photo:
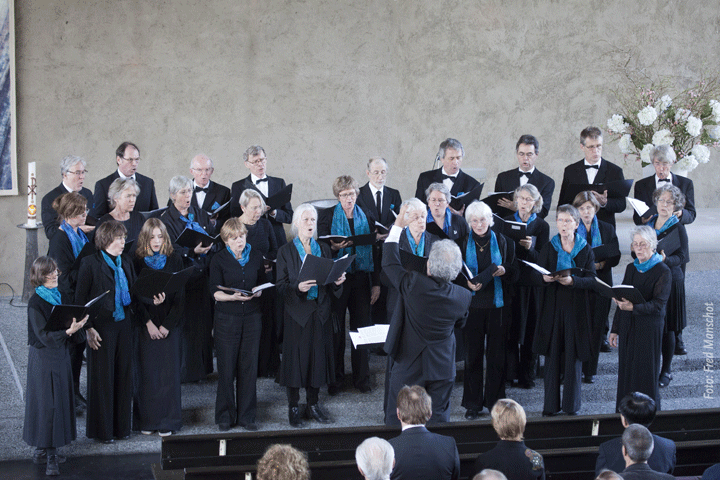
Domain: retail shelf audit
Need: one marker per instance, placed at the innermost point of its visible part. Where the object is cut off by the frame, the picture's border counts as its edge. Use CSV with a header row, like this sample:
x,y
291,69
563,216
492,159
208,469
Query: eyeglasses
x,y
525,199
639,245
257,162
346,196
202,170
593,147
437,201
565,221
83,214
662,201
377,173
54,274
528,155
132,160
79,172
479,221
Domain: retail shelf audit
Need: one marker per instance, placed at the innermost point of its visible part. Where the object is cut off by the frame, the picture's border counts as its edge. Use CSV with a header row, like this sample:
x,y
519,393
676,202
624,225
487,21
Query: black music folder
x,y
152,282
190,238
628,292
484,277
358,240
280,198
615,189
466,198
323,270
62,316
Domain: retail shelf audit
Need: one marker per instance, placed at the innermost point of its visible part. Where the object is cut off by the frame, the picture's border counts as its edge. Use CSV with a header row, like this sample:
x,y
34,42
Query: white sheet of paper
x,y
370,335
538,268
639,206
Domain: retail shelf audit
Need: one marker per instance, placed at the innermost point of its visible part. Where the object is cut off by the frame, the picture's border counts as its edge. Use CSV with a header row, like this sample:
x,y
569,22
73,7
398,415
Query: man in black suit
x,y
420,454
637,446
207,194
451,155
527,150
256,161
73,170
127,157
421,340
636,408
379,201
593,169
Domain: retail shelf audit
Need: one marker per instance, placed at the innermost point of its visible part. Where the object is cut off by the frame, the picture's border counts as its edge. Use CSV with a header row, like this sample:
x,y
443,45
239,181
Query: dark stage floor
x,y
98,467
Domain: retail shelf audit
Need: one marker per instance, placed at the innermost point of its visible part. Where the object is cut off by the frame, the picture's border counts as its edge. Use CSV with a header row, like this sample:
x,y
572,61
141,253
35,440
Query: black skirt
x,y
307,354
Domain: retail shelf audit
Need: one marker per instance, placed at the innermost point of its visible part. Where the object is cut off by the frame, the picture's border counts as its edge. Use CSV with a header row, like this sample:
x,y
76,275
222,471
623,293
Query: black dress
x,y
676,314
156,400
197,321
49,396
640,332
133,225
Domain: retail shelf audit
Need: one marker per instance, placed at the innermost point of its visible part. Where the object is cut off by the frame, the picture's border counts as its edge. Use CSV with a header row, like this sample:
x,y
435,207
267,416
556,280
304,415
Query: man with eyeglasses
x,y
73,170
451,155
207,194
256,161
593,169
527,150
127,157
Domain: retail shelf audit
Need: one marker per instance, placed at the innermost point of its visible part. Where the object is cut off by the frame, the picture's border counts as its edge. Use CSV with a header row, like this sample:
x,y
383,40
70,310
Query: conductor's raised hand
x,y
400,219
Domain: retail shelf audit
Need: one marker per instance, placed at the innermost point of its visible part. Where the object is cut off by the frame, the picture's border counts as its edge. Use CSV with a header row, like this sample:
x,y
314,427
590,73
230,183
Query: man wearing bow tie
x,y
451,155
256,161
593,169
207,194
127,157
527,150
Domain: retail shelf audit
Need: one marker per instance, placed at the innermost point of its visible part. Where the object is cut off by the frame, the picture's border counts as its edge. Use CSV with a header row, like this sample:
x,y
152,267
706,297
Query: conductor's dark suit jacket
x,y
463,183
644,189
146,201
422,455
282,215
510,180
390,201
607,172
49,215
661,460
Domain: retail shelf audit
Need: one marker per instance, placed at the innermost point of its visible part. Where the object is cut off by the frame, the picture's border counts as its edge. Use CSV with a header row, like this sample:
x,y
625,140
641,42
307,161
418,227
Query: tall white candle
x,y
32,193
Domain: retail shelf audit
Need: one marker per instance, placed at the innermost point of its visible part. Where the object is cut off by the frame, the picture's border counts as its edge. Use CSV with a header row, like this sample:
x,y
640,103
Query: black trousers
x,y
312,395
355,298
484,324
563,360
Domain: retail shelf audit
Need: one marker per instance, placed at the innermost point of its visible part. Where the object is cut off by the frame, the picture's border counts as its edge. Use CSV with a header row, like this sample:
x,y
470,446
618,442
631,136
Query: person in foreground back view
x,y
420,454
637,445
375,458
283,462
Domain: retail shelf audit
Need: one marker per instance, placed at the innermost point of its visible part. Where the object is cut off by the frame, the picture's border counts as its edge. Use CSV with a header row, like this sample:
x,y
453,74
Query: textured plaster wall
x,y
325,84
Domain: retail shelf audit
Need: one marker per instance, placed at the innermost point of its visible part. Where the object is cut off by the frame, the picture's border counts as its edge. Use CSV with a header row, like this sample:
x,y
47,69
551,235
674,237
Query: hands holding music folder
x,y
64,317
324,271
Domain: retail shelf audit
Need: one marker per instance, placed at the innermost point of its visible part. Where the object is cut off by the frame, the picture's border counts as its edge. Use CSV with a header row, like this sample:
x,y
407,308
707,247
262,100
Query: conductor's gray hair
x,y
297,215
490,474
375,457
647,233
445,260
70,161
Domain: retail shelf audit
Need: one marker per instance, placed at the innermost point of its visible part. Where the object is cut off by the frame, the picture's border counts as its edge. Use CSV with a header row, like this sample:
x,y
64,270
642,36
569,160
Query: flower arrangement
x,y
649,116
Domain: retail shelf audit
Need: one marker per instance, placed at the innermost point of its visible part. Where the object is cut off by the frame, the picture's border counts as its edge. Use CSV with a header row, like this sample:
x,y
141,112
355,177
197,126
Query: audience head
x,y
591,144
201,169
127,157
451,155
44,271
528,194
490,474
73,170
304,221
283,462
636,407
527,150
508,419
608,475
662,157
123,193
255,160
153,237
669,193
414,406
377,169
445,260
375,458
110,237
70,206
637,443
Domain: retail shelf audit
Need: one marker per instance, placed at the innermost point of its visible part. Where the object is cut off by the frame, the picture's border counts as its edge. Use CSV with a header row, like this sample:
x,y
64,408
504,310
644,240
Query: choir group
x,y
531,294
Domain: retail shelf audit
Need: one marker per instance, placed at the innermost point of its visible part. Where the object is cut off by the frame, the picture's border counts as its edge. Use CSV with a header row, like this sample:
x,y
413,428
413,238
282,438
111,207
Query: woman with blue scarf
x,y
441,221
307,348
563,331
122,194
637,329
481,249
525,295
362,287
49,399
238,321
196,352
109,334
602,239
668,200
156,401
65,246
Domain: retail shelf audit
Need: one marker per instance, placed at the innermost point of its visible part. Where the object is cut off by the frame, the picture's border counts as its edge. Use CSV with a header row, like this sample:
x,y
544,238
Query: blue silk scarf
x,y
50,295
312,294
565,259
340,226
418,249
472,262
156,261
594,232
244,255
122,292
77,238
647,265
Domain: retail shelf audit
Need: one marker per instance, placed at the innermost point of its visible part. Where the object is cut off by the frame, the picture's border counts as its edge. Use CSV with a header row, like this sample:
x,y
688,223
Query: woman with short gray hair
x,y
441,221
637,329
121,196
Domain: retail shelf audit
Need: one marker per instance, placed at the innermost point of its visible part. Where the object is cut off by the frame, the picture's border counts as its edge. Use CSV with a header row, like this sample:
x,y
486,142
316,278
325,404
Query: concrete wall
x,y
325,84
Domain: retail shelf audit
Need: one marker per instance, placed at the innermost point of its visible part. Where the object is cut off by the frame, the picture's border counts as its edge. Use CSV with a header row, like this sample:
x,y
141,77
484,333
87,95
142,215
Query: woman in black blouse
x,y
122,195
237,326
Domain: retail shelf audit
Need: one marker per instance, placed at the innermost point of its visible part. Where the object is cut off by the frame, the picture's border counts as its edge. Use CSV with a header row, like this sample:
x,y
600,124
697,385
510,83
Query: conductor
x,y
420,341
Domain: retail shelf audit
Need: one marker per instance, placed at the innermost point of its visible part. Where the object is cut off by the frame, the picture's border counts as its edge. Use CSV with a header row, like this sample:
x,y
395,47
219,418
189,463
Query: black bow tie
x,y
526,174
201,189
591,166
444,177
261,180
663,180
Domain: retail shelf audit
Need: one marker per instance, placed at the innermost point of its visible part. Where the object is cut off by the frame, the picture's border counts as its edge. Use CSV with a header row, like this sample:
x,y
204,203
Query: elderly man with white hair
x,y
375,458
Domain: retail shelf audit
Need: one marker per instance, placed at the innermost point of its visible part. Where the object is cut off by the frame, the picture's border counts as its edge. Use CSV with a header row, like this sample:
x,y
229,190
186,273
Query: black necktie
x,y
526,174
378,204
591,166
201,189
663,180
257,182
444,177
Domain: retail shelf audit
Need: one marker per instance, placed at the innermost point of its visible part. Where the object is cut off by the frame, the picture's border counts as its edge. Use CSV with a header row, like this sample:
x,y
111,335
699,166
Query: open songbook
x,y
566,272
619,292
152,282
62,316
190,238
323,270
466,198
247,293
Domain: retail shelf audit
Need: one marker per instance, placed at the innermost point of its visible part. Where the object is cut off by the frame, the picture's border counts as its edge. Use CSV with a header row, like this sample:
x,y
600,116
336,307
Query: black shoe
x,y
680,345
472,414
334,389
526,384
550,414
315,412
224,427
294,415
364,389
52,468
107,441
40,457
665,378
589,379
605,347
572,414
250,426
123,438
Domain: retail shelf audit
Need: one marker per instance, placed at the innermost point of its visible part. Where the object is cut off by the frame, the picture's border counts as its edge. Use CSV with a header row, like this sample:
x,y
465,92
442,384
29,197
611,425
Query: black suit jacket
x,y
510,180
610,456
146,201
607,172
49,215
217,193
513,459
423,455
641,471
282,215
390,201
463,183
644,189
